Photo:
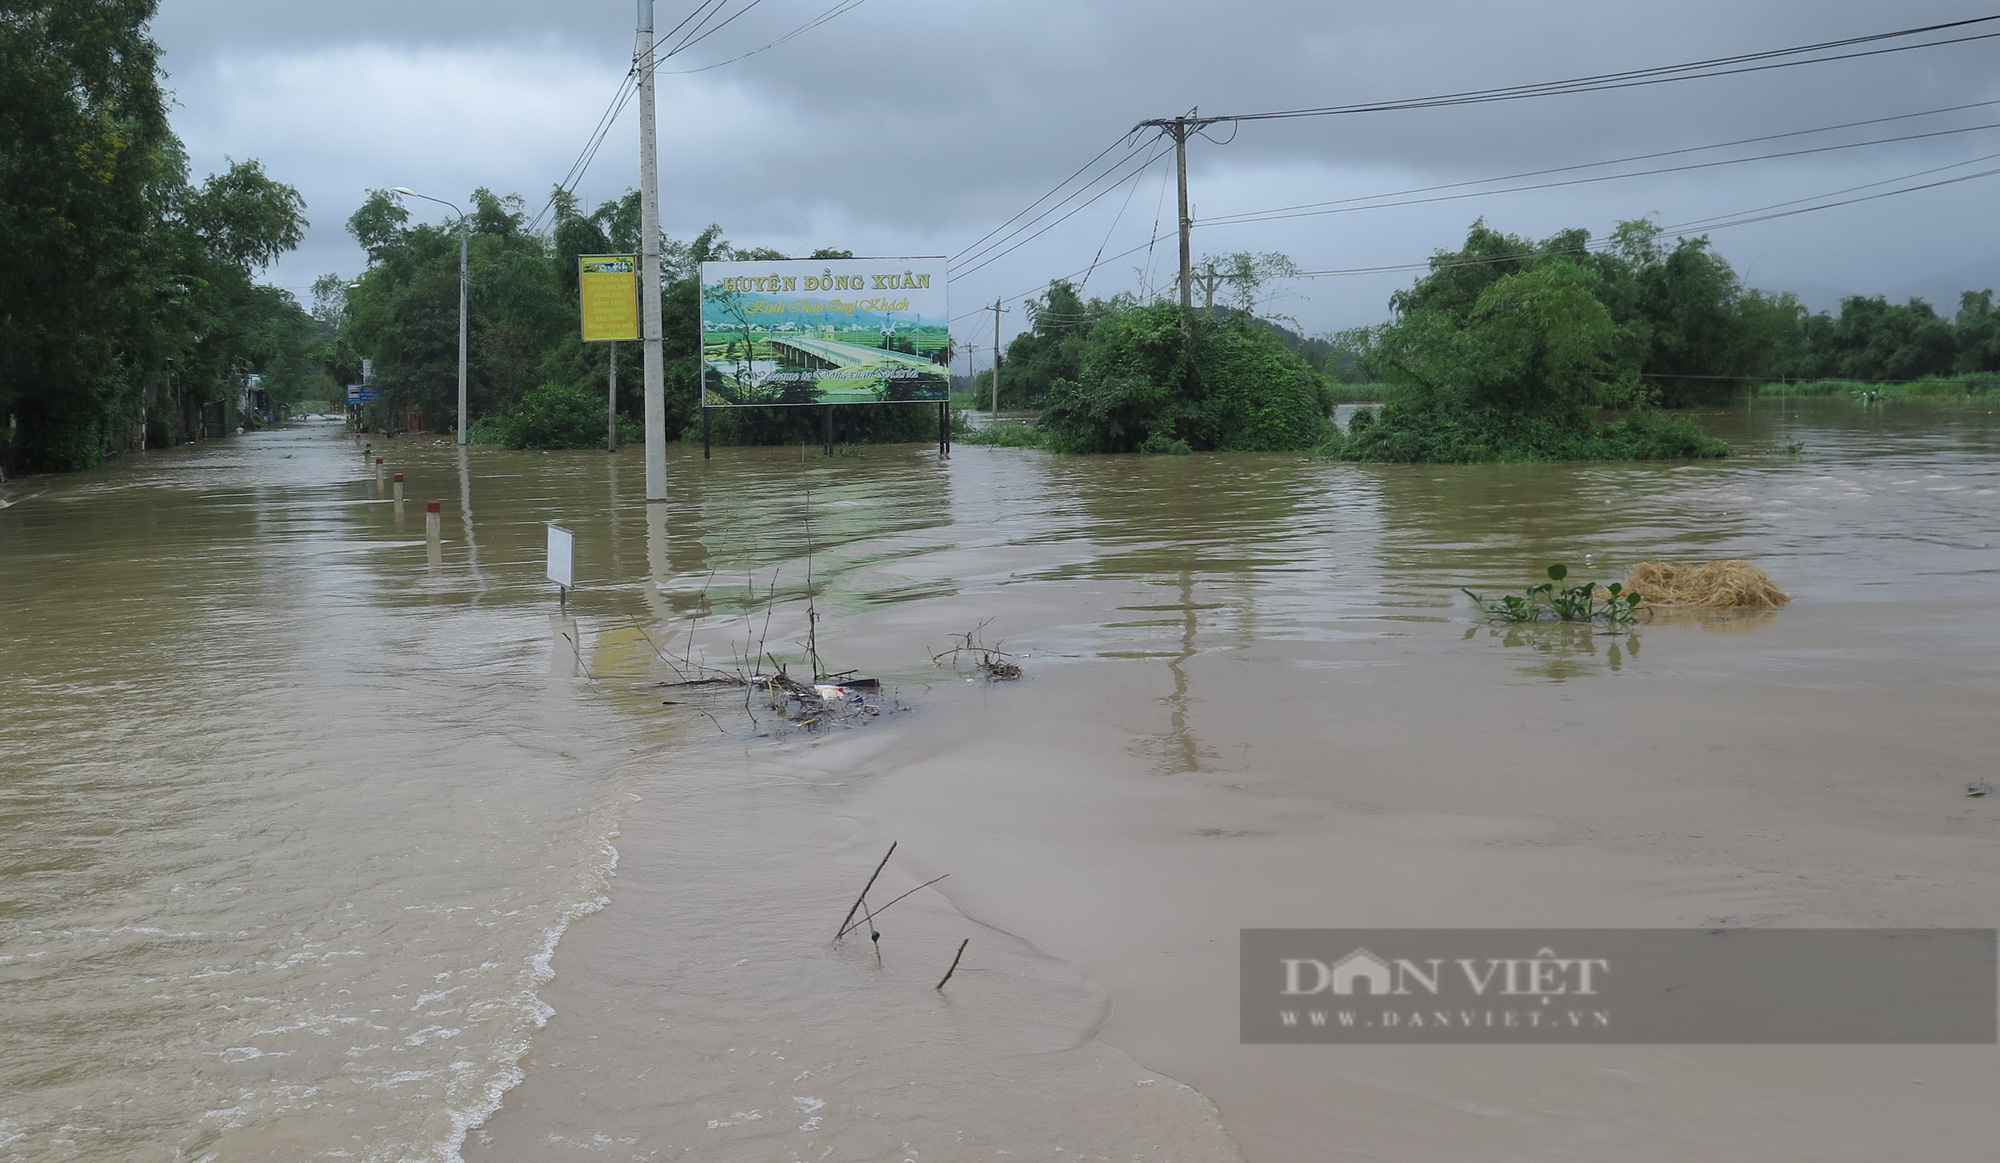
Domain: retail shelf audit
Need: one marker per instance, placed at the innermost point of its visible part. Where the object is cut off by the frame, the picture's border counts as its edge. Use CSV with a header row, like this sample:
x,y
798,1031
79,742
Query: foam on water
x,y
541,970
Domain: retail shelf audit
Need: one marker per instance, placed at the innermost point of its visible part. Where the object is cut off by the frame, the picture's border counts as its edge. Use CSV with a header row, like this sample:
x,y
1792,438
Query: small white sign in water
x,y
562,553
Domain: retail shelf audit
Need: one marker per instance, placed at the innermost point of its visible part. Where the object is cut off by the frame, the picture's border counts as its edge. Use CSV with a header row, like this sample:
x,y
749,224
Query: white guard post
x,y
562,557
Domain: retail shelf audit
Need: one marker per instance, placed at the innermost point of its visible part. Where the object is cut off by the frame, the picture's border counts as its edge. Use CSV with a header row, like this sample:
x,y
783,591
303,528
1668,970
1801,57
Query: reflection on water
x,y
1565,649
293,805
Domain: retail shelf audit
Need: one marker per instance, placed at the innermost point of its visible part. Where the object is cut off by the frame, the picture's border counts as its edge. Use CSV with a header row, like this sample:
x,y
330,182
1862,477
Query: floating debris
x,y
1982,788
994,665
998,669
1718,585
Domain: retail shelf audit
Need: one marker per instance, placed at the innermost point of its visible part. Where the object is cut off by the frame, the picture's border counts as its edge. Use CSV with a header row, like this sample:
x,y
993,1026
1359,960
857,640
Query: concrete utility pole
x,y
464,314
997,310
1210,279
1187,220
649,264
1179,128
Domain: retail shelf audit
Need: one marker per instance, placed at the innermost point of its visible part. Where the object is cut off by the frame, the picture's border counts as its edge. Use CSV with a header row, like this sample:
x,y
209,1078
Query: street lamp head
x,y
407,190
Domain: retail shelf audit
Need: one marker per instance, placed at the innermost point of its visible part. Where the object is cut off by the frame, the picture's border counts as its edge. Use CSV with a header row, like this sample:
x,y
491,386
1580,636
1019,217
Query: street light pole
x,y
464,243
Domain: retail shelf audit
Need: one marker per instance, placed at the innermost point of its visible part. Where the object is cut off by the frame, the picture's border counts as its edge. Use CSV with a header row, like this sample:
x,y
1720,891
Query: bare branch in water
x,y
864,889
954,964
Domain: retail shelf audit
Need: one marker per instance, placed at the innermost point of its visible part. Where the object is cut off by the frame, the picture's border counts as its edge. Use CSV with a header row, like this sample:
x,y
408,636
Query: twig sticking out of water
x,y
994,663
954,964
885,908
578,651
864,890
874,934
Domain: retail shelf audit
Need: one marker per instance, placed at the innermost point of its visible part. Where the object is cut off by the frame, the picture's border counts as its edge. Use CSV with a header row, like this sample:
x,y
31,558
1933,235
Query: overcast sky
x,y
913,127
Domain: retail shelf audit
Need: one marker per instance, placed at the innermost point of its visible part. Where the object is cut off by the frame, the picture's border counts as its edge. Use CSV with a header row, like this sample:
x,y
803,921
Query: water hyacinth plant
x,y
1578,603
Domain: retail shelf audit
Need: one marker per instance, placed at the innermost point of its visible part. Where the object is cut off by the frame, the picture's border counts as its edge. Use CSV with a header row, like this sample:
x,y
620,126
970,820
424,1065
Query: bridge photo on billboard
x,y
841,331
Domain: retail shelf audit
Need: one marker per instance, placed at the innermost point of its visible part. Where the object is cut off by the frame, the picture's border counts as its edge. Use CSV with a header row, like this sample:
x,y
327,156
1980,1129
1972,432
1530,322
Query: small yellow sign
x,y
610,286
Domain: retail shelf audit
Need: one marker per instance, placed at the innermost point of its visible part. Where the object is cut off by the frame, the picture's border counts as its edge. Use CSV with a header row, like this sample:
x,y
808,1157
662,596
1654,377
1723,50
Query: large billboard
x,y
824,331
608,291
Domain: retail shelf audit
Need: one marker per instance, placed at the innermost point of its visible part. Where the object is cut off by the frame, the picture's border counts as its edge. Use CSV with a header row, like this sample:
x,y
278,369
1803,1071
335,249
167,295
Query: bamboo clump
x,y
1717,585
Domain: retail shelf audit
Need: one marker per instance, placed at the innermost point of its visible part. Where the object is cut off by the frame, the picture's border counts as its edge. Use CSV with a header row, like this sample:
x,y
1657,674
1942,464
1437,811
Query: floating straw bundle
x,y
1718,585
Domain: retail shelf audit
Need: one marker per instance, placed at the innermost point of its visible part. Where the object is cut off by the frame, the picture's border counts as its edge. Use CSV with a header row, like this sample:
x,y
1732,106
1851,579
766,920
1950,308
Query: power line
x,y
1058,188
675,30
1631,78
838,10
699,17
1370,198
626,88
998,250
692,39
1697,224
1273,215
1146,245
1159,207
1815,53
1718,222
1113,229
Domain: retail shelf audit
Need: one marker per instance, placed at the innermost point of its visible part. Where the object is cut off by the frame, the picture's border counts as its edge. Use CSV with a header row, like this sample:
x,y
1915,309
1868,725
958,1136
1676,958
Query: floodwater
x,y
318,847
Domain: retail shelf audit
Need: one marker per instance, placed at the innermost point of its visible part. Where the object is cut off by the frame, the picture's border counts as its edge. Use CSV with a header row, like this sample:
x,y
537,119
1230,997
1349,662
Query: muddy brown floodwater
x,y
314,849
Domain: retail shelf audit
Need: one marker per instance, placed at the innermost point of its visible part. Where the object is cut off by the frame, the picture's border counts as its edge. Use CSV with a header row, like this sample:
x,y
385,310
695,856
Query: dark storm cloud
x,y
919,125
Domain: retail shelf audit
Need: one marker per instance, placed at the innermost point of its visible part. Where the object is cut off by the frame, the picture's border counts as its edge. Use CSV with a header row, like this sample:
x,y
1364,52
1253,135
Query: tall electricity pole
x,y
1187,219
649,265
1178,128
997,310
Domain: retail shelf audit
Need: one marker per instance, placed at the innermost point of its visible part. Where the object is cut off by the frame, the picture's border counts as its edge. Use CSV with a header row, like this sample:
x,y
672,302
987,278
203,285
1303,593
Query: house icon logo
x,y
1363,966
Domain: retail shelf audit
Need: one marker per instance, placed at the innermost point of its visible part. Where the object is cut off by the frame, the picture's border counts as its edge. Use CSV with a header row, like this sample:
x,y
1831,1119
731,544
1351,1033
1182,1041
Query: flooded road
x,y
295,819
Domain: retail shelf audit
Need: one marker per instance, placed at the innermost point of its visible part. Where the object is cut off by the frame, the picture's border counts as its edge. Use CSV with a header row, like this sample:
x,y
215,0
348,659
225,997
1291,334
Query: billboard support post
x,y
611,404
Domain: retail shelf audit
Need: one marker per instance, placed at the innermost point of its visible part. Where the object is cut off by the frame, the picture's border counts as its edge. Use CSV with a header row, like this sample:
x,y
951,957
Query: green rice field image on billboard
x,y
841,331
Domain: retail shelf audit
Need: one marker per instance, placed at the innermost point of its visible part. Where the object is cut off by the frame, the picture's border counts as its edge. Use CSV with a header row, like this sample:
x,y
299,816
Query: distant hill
x,y
1942,290
1314,350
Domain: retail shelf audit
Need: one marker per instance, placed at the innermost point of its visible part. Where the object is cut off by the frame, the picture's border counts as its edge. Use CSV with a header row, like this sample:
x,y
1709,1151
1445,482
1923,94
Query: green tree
x,y
90,167
1521,373
1051,349
122,287
1977,332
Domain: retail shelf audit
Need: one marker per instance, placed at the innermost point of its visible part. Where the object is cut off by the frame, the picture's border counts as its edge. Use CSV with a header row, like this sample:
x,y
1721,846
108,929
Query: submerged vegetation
x,y
1578,603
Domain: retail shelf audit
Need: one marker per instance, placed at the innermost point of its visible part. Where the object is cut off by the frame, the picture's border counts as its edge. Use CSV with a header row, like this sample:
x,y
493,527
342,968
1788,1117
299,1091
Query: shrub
x,y
556,416
1154,381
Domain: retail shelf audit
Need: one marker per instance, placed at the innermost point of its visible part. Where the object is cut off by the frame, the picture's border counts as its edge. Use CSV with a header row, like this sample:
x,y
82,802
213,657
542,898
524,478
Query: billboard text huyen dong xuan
x,y
840,331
